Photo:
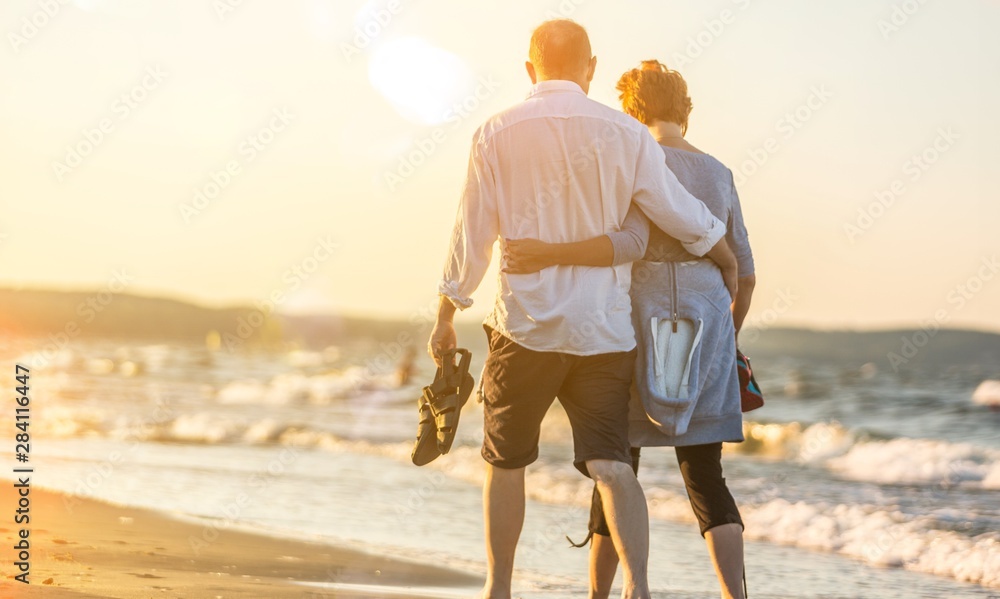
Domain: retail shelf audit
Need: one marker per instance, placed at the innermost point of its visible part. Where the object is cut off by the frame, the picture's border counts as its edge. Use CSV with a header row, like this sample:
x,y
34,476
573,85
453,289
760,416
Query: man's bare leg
x,y
503,512
625,510
725,546
603,566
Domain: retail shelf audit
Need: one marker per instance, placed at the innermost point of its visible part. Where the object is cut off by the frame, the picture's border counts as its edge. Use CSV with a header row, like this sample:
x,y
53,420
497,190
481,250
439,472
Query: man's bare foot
x,y
493,593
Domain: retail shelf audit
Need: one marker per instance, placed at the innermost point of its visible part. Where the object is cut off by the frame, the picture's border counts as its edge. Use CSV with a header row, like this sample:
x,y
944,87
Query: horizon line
x,y
402,317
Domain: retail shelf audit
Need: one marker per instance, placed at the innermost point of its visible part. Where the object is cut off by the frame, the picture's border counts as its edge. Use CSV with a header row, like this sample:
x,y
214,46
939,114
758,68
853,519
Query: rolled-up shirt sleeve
x,y
631,241
671,207
477,227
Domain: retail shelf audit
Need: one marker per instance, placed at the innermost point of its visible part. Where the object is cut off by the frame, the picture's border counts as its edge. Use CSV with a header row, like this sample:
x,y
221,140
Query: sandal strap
x,y
424,411
443,405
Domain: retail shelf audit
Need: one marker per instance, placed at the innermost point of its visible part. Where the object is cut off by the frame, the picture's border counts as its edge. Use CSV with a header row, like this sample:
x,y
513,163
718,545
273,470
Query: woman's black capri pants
x,y
701,467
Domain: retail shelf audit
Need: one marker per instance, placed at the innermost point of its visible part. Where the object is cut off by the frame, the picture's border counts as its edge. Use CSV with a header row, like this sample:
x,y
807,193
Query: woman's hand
x,y
724,257
525,256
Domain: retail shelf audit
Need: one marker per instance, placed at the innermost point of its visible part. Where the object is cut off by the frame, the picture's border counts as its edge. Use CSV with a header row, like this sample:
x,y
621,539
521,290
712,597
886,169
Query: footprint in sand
x,y
144,575
62,542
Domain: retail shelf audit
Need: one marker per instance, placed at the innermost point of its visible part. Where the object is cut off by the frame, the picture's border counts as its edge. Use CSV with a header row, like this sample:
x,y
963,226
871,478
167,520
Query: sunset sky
x,y
221,150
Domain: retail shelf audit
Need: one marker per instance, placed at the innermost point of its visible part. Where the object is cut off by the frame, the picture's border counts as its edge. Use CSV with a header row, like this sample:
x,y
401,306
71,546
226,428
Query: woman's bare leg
x,y
725,546
603,566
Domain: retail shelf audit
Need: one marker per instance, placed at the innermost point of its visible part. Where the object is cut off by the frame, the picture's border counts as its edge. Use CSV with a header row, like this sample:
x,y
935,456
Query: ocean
x,y
854,481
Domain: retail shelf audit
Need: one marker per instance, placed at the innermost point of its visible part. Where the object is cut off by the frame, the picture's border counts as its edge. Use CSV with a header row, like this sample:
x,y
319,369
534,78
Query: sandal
x,y
440,407
425,449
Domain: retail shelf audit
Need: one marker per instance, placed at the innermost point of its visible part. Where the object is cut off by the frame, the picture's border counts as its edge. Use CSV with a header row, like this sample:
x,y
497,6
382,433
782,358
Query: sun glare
x,y
420,80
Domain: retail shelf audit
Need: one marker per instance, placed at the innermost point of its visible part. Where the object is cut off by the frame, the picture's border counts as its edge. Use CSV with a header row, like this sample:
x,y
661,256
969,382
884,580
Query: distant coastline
x,y
42,312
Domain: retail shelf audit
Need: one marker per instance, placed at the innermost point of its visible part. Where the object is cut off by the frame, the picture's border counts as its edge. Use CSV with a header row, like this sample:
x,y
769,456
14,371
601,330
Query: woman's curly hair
x,y
654,92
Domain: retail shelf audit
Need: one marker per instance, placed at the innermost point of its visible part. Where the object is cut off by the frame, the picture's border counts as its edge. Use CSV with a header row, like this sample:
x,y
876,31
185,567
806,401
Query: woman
x,y
686,391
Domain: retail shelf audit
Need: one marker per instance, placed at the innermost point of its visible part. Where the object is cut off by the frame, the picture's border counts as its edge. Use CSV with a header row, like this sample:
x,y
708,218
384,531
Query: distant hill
x,y
904,349
41,312
90,314
46,312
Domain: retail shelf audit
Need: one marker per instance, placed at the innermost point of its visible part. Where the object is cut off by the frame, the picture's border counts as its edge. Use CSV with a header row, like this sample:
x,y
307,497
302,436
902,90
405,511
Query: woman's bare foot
x,y
493,592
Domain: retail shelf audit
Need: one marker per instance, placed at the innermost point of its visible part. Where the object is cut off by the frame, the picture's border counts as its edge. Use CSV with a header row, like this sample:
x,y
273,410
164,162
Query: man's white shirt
x,y
561,167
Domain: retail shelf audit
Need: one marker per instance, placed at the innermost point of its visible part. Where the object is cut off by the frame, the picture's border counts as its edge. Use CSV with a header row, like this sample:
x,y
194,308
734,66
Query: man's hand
x,y
525,256
443,335
443,338
724,257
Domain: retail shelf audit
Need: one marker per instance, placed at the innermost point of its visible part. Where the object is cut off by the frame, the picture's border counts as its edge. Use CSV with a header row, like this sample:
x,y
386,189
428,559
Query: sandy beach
x,y
102,550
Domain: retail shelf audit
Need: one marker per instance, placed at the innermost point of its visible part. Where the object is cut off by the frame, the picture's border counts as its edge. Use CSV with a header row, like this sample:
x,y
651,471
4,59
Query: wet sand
x,y
82,548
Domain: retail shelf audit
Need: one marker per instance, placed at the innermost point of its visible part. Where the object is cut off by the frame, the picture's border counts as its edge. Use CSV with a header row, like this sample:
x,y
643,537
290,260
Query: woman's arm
x,y
523,256
742,303
631,242
739,239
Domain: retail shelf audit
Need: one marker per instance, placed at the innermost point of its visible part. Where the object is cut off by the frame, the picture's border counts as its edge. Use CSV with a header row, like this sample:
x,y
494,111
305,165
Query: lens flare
x,y
421,81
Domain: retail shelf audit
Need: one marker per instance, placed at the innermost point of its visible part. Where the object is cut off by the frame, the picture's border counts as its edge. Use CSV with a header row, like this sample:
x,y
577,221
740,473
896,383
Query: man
x,y
561,167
